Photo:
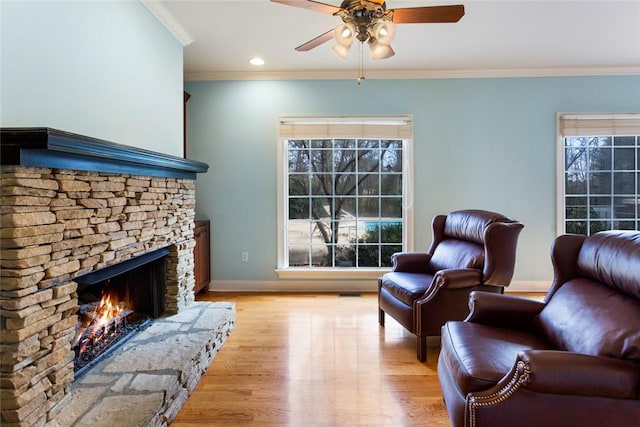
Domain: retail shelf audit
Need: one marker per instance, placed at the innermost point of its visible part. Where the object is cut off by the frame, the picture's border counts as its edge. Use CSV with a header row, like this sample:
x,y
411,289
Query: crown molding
x,y
169,21
413,74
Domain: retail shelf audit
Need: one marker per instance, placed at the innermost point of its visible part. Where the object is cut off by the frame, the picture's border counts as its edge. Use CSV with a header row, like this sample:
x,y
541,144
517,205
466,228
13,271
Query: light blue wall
x,y
105,69
478,143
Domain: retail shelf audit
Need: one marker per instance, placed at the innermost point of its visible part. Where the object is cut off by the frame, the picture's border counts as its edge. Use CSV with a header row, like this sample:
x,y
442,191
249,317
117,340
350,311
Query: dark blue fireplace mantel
x,y
52,148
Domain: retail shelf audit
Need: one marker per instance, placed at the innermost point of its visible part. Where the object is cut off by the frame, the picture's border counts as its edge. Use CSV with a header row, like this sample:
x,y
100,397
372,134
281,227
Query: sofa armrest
x,y
410,262
502,310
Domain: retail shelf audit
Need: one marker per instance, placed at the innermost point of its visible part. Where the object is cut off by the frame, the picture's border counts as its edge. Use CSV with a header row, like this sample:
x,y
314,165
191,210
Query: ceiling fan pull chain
x,y
360,64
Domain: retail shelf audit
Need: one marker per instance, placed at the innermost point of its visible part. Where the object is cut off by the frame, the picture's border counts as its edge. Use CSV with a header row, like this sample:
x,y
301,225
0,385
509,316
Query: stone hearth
x,y
72,205
147,380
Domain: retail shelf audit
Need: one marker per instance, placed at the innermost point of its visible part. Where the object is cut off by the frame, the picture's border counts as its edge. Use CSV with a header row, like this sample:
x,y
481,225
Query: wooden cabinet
x,y
201,255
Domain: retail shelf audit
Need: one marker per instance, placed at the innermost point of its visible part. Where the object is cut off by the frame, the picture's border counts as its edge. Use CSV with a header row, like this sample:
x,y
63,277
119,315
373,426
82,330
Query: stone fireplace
x,y
71,206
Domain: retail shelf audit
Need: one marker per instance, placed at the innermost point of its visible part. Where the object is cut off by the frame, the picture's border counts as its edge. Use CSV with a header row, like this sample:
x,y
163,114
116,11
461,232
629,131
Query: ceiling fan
x,y
370,21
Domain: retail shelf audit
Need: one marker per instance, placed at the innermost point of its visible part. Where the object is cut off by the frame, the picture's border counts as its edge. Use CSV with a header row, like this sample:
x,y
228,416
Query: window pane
x,y
299,232
624,225
344,161
624,207
600,183
391,207
369,185
321,207
596,226
369,160
298,185
299,208
624,159
576,208
391,160
576,183
600,207
298,160
391,184
599,159
345,184
575,159
369,255
577,227
628,141
368,207
321,184
624,183
299,256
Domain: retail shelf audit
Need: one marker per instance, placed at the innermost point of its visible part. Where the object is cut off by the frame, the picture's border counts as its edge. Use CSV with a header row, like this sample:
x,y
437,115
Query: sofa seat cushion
x,y
583,316
478,356
407,287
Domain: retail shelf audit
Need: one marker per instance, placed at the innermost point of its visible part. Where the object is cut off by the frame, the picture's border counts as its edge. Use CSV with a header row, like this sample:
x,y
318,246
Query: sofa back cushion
x,y
584,316
452,253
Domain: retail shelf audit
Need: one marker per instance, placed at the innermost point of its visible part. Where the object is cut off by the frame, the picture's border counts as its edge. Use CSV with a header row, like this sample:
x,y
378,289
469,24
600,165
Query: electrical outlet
x,y
244,256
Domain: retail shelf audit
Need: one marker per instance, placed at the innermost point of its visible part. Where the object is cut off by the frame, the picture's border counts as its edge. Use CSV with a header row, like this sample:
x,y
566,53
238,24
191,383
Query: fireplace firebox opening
x,y
115,303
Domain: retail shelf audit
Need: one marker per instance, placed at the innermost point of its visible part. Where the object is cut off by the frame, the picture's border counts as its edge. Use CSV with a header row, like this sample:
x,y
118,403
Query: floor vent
x,y
341,295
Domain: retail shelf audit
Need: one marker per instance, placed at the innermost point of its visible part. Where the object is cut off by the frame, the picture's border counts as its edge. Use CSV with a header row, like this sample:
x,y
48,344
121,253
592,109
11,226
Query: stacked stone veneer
x,y
57,225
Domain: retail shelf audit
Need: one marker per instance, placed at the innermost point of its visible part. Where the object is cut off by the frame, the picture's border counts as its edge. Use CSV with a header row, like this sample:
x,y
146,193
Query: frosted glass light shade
x,y
384,32
380,50
341,51
344,33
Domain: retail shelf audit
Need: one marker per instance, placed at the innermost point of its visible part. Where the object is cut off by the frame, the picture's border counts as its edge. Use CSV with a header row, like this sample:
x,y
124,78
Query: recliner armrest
x,y
502,310
410,262
588,387
451,279
458,278
563,372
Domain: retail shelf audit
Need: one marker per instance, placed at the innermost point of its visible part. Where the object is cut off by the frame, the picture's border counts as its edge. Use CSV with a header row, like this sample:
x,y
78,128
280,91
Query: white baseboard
x,y
368,285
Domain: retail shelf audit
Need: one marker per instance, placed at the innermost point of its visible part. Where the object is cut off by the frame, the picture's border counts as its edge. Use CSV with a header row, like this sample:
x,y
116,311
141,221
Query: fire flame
x,y
105,312
104,319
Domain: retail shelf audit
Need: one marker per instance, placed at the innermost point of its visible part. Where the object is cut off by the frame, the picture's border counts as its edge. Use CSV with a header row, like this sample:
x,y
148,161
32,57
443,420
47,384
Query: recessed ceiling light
x,y
256,61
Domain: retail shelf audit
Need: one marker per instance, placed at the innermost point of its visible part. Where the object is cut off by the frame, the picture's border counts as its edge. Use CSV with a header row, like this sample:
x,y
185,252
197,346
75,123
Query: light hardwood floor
x,y
315,360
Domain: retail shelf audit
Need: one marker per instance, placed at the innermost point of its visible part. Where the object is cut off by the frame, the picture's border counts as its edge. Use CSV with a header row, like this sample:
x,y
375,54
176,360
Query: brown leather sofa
x,y
570,360
471,250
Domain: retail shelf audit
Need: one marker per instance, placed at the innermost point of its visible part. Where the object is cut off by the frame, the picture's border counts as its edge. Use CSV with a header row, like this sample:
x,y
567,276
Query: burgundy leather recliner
x,y
471,250
570,360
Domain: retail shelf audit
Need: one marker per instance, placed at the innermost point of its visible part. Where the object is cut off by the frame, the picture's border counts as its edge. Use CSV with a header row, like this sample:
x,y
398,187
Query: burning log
x,y
101,324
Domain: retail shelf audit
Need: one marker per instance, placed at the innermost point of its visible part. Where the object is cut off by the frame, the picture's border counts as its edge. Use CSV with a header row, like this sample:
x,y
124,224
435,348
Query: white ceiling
x,y
494,38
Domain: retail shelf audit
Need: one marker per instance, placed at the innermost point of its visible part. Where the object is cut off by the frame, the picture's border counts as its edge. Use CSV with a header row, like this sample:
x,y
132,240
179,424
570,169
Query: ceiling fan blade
x,y
428,14
316,42
311,5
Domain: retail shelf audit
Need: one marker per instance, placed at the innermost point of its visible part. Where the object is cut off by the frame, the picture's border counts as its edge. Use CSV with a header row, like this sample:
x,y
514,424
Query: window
x,y
600,179
344,192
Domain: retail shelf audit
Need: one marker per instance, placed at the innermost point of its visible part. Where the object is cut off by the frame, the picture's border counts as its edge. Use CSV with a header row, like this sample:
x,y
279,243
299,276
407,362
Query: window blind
x,y
599,125
400,127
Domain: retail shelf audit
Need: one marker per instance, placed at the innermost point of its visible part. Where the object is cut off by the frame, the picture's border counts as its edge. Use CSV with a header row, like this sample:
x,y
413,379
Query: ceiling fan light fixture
x,y
344,33
380,50
383,31
341,51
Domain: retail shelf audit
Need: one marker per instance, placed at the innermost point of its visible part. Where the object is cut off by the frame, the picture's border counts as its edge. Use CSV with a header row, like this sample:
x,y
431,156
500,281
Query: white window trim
x,y
339,273
595,124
